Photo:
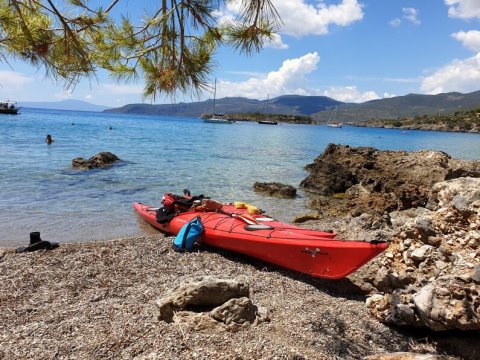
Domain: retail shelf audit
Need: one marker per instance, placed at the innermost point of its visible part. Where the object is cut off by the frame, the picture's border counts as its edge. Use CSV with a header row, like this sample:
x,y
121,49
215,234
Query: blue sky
x,y
350,50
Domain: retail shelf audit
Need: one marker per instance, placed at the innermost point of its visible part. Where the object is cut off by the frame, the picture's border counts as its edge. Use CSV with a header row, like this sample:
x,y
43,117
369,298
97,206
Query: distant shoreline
x,y
424,128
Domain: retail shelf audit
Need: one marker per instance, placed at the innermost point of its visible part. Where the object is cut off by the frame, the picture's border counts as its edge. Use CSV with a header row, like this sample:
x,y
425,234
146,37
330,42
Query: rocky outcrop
x,y
275,189
101,160
382,180
430,275
427,205
210,303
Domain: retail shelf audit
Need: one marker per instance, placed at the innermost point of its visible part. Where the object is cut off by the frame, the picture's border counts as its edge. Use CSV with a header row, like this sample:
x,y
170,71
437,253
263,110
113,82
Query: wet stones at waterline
x,y
275,189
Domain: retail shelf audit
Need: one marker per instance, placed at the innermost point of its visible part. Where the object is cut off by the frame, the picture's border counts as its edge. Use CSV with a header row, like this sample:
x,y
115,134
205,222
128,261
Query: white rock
x,y
421,253
423,300
375,298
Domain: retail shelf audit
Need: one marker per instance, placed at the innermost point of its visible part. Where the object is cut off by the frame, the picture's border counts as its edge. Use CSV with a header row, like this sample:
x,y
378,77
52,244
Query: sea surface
x,y
40,191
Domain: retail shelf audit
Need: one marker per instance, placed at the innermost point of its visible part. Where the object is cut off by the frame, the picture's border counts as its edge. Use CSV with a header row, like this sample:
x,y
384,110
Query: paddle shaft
x,y
249,221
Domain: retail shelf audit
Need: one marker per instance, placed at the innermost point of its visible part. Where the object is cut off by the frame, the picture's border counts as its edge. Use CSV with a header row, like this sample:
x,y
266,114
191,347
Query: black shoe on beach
x,y
36,243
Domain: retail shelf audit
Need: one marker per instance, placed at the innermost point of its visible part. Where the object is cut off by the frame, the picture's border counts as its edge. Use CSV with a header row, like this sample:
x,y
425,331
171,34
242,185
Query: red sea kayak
x,y
311,252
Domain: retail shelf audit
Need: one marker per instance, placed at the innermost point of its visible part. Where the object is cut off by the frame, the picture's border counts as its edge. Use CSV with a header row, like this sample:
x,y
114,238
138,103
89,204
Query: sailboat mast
x,y
214,96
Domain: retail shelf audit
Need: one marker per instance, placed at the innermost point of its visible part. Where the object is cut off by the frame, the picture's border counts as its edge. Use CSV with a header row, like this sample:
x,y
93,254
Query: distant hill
x,y
320,108
288,105
404,106
76,105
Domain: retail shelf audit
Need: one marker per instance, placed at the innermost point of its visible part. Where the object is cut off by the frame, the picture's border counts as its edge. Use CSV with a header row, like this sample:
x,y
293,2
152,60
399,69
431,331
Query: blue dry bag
x,y
188,234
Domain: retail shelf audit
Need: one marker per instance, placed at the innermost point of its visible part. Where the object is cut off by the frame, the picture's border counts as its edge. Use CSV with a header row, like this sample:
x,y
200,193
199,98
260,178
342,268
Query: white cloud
x,y
401,80
290,78
301,19
464,9
459,75
122,89
411,14
395,22
276,43
13,81
469,39
350,94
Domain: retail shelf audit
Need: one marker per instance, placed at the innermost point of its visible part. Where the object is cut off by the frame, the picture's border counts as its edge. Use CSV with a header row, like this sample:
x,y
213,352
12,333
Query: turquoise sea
x,y
40,191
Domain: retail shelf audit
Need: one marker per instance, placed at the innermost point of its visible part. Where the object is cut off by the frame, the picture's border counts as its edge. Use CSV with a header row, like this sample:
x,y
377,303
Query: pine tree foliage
x,y
170,48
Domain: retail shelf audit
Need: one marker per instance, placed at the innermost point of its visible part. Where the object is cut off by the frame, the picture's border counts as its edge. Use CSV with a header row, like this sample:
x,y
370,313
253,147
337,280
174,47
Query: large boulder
x,y
379,181
101,160
210,303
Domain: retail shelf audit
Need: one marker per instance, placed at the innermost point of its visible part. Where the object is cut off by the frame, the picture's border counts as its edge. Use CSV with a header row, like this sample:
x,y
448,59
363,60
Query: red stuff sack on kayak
x,y
167,212
175,204
168,200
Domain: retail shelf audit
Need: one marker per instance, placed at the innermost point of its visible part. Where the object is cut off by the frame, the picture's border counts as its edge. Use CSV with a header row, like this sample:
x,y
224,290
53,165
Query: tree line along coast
x,y
461,121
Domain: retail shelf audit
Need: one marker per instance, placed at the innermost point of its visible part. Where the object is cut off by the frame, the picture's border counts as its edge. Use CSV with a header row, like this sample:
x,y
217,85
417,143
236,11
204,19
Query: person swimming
x,y
49,139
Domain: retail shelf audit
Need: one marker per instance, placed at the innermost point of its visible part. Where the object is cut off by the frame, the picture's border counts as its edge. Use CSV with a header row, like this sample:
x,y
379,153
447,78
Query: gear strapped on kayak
x,y
173,205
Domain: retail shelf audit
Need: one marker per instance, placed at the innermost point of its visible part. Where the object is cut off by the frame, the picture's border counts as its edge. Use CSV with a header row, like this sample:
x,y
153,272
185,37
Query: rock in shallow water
x,y
101,160
275,189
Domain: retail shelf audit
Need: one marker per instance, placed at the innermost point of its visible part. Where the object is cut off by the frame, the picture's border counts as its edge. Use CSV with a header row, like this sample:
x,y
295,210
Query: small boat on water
x,y
268,122
9,107
332,120
336,125
216,118
237,228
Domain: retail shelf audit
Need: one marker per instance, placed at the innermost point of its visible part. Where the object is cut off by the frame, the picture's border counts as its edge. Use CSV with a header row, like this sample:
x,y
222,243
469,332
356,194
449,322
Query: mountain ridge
x,y
286,104
320,108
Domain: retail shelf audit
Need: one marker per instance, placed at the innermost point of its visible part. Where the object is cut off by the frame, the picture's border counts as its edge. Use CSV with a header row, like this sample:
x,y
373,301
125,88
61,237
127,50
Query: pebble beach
x,y
96,300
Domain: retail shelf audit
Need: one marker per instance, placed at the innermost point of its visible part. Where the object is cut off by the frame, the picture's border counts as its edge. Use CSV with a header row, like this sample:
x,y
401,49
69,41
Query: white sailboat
x,y
217,118
332,120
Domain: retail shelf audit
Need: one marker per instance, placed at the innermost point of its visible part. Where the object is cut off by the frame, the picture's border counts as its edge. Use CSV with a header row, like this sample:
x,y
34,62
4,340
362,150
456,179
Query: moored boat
x,y
218,120
9,107
265,120
268,122
335,125
332,120
316,253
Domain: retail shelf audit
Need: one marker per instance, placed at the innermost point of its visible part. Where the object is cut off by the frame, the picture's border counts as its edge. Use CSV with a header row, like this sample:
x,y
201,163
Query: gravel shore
x,y
96,300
